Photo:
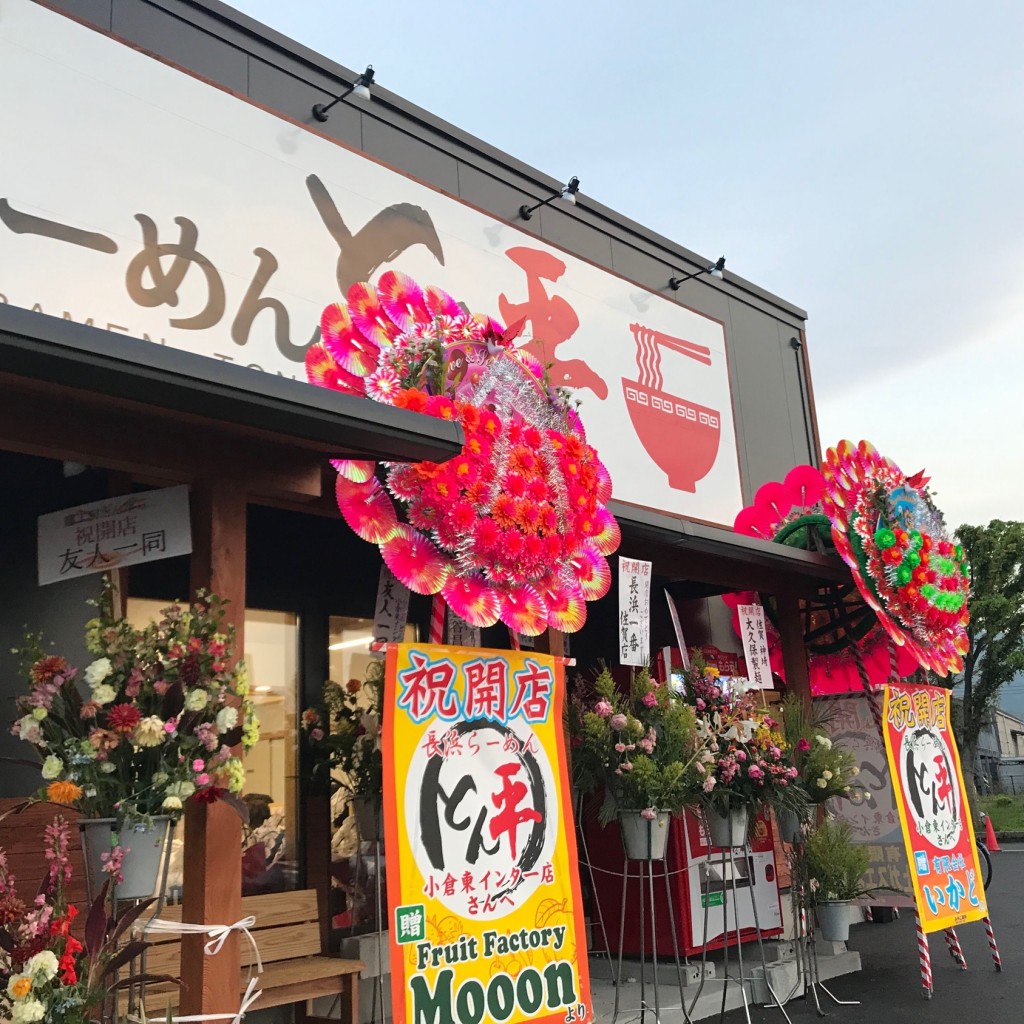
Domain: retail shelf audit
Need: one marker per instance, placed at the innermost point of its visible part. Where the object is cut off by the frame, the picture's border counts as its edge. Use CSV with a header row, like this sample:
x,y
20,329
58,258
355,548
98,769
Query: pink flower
x,y
709,783
741,756
620,748
618,722
649,813
317,734
161,686
627,766
171,726
650,699
198,764
700,704
202,779
602,708
754,772
803,745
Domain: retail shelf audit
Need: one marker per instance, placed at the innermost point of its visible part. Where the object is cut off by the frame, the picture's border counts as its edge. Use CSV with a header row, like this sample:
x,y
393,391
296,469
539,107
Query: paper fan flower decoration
x,y
839,626
525,494
906,565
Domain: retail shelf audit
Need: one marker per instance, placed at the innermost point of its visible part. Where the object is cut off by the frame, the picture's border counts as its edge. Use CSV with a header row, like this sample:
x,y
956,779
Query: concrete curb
x,y
1010,837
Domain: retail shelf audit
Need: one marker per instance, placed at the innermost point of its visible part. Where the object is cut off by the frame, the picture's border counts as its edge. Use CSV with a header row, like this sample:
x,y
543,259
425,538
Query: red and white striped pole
x,y
437,610
991,935
925,957
955,950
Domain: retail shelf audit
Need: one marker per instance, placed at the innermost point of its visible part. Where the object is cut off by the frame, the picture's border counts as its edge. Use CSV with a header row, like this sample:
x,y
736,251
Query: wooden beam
x,y
213,832
794,654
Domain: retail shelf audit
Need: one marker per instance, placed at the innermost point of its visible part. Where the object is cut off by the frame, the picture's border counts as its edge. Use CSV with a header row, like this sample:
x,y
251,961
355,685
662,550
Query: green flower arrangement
x,y
642,747
834,864
826,769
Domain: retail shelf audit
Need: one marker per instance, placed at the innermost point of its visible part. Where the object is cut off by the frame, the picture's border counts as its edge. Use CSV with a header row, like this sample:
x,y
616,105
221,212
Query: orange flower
x,y
63,792
21,987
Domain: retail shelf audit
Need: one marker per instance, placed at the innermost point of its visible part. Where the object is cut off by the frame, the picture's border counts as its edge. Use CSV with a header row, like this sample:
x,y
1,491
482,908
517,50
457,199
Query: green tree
x,y
996,630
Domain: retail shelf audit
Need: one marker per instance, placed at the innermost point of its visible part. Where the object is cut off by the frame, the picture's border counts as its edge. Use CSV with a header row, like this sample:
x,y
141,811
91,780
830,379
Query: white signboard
x,y
755,646
634,612
194,219
392,609
114,533
460,633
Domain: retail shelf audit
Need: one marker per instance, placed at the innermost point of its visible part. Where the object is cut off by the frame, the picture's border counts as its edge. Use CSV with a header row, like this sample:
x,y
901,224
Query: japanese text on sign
x,y
114,533
937,828
476,812
755,644
634,611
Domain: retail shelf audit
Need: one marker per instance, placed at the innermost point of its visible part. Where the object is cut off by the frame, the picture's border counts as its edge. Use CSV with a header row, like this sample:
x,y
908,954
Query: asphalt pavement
x,y
889,987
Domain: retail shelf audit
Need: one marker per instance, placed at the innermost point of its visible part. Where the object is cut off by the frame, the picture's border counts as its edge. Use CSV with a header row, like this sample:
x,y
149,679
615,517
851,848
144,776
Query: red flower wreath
x,y
514,527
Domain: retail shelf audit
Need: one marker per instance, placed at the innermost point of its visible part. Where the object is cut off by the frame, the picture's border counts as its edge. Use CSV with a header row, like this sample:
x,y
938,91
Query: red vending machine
x,y
691,876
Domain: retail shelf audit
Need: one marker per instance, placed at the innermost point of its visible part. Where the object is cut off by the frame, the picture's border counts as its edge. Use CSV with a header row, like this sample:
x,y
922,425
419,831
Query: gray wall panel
x,y
178,41
401,150
570,232
294,97
95,12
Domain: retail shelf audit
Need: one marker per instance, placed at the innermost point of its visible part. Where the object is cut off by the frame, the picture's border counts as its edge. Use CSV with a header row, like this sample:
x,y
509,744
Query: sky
x,y
863,161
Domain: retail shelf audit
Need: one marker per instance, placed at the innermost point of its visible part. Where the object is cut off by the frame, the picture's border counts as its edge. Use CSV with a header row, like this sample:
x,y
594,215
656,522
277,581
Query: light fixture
x,y
715,270
568,194
360,88
358,642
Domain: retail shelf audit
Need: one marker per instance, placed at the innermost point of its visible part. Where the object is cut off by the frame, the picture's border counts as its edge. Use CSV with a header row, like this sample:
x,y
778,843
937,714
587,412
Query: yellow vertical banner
x,y
484,908
925,768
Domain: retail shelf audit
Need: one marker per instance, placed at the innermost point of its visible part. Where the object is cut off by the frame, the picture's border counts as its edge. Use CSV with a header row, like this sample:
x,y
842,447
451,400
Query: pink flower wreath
x,y
514,527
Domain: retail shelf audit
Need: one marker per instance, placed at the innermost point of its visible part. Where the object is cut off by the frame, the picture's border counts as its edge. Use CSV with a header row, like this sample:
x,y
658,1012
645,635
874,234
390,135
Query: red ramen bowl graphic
x,y
681,436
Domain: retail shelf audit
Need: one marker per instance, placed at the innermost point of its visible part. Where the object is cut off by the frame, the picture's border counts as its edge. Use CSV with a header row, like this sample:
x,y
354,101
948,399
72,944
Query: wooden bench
x,y
287,934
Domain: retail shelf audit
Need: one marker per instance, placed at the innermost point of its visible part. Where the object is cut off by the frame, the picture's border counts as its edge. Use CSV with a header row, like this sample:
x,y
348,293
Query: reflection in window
x,y
353,853
269,857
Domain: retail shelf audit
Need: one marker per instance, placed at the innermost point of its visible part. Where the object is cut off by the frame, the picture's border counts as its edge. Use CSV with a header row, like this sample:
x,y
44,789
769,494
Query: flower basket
x,y
727,828
645,838
834,921
144,845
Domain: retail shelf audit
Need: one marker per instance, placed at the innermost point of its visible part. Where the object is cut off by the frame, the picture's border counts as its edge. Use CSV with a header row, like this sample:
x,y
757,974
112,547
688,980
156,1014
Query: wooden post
x,y
213,832
794,654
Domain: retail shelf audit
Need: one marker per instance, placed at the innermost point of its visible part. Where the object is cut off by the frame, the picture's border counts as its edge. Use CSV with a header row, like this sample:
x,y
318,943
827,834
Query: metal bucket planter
x,y
144,843
727,829
834,921
644,838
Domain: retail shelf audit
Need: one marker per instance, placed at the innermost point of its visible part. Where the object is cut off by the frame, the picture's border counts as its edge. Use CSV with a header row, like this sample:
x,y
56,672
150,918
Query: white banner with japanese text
x,y
755,646
114,533
634,611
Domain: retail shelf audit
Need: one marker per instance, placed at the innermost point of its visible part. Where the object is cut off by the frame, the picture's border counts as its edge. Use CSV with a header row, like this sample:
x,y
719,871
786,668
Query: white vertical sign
x,y
460,633
392,610
755,645
634,611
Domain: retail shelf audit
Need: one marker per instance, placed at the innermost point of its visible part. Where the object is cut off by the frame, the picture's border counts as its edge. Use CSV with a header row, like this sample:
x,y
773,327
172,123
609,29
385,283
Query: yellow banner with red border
x,y
924,765
485,914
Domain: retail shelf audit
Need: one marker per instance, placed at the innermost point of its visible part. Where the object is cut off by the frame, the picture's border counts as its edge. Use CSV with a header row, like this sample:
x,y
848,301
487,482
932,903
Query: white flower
x,y
17,981
196,700
171,803
826,774
149,732
27,728
26,1011
108,767
822,784
227,719
98,671
39,714
44,963
52,767
855,770
824,741
103,694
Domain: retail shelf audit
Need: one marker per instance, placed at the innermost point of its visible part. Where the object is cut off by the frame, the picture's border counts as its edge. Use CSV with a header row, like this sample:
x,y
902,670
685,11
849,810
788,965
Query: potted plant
x,y
834,867
345,739
46,973
745,763
825,769
147,725
642,747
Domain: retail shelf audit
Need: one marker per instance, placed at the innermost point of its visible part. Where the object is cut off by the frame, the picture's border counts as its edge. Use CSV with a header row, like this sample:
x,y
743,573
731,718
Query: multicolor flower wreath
x,y
785,512
904,562
514,527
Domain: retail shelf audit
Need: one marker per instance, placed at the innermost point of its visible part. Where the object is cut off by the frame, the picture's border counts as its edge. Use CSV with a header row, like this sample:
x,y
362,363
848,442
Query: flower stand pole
x,y
651,849
728,874
584,858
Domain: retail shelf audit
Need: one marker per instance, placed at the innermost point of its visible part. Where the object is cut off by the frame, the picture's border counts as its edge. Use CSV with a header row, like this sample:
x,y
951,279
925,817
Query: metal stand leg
x,y
622,941
953,944
749,853
925,959
675,942
994,949
581,846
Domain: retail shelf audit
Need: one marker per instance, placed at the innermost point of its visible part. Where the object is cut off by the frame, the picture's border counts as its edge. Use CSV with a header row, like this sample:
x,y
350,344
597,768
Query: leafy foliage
x,y
996,629
835,864
825,768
